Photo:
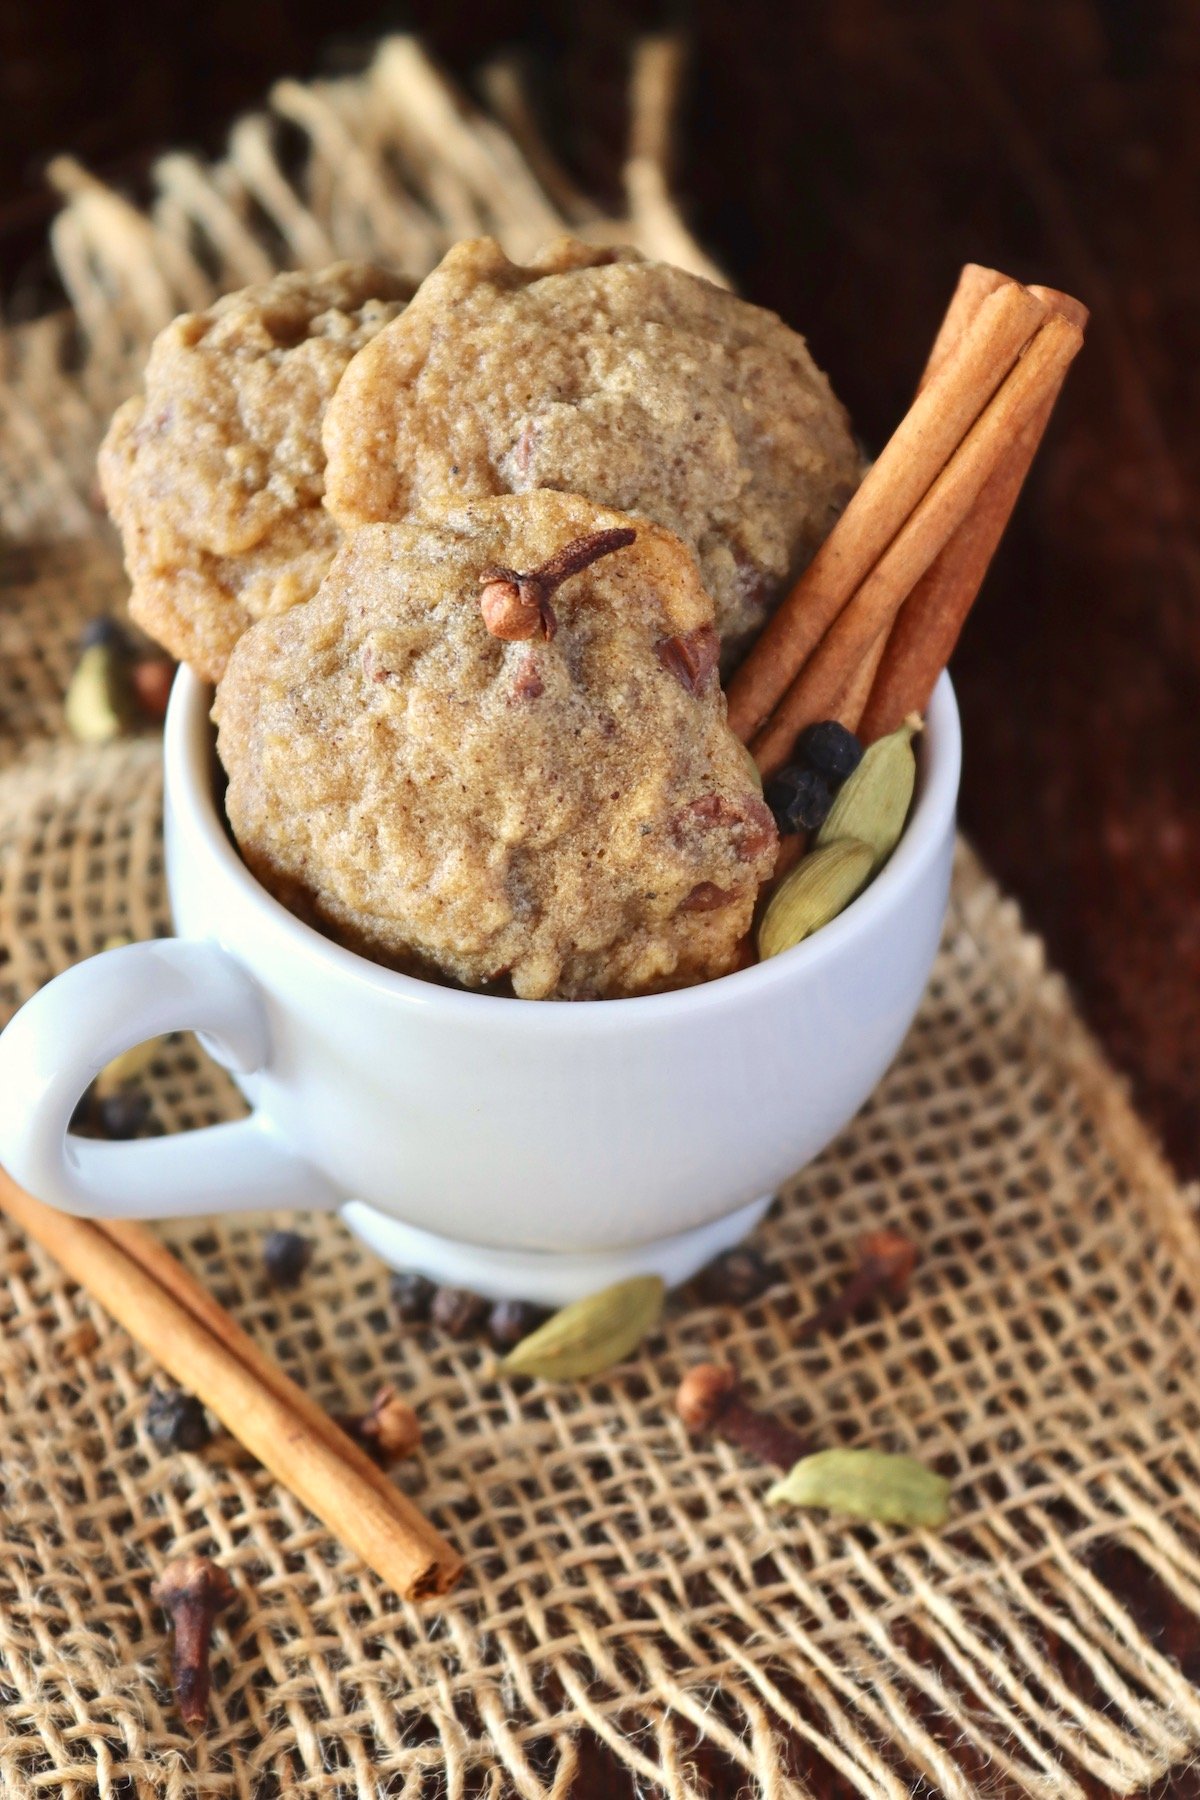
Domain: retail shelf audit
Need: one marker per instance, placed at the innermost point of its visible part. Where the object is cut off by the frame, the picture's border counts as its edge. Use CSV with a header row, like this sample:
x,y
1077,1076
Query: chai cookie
x,y
493,747
215,476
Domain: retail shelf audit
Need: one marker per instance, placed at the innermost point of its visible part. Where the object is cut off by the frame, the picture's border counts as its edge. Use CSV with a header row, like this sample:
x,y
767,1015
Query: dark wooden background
x,y
842,159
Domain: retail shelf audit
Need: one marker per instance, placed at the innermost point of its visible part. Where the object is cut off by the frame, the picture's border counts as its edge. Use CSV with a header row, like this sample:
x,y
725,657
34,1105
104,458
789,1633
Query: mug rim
x,y
188,755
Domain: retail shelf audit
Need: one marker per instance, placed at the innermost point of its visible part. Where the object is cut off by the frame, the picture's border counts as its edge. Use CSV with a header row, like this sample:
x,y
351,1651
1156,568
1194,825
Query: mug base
x,y
548,1278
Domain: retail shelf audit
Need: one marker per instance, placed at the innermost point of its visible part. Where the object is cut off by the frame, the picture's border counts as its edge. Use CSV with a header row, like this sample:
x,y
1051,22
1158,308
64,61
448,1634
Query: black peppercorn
x,y
734,1278
800,798
830,749
285,1256
511,1320
121,1115
412,1296
176,1421
457,1311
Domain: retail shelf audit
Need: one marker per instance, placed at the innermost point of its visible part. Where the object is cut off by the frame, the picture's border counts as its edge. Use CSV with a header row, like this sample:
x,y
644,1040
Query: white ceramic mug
x,y
517,1147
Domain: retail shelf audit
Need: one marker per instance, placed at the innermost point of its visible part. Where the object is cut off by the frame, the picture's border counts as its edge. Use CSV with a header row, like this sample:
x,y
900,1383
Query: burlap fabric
x,y
623,1585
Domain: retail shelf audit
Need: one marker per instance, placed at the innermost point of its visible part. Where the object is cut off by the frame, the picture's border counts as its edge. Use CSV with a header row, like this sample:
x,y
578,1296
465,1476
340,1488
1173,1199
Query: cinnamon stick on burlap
x,y
927,626
877,598
207,1353
160,1265
910,462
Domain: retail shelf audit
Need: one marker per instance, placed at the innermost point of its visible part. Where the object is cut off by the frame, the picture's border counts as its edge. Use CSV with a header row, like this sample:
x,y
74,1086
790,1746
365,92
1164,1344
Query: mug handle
x,y
60,1040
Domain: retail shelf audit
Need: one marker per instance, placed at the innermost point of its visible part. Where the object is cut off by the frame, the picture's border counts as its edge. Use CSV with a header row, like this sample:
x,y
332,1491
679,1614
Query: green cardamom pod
x,y
99,705
591,1334
867,1484
872,804
818,888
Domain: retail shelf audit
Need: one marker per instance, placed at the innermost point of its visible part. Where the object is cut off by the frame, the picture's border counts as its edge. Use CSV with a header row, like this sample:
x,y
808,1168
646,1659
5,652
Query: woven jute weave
x,y
622,1584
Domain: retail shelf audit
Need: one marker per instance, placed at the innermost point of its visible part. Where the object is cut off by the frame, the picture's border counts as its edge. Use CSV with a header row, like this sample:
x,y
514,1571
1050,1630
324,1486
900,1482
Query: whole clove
x,y
388,1431
516,605
709,1399
886,1260
192,1590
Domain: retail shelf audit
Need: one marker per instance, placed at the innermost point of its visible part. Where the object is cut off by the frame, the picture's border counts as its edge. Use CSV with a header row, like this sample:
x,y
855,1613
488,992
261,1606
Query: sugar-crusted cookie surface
x,y
597,373
569,814
215,476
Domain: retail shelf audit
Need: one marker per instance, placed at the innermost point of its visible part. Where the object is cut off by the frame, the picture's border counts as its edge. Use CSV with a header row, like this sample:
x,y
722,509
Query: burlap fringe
x,y
624,1587
394,164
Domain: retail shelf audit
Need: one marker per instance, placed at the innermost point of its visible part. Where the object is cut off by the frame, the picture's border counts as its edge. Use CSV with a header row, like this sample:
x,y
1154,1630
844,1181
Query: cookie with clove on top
x,y
594,372
215,476
493,747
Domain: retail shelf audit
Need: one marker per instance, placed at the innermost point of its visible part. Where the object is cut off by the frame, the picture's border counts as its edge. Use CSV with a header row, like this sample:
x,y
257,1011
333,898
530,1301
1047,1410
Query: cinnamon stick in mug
x,y
928,625
939,513
907,467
